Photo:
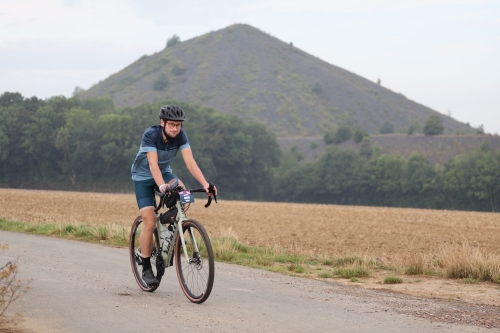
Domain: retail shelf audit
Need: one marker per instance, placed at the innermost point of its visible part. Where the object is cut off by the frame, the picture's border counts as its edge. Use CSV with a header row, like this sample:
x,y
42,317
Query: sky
x,y
444,54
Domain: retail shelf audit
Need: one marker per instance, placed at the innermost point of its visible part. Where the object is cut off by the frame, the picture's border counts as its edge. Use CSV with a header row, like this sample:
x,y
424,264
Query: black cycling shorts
x,y
144,193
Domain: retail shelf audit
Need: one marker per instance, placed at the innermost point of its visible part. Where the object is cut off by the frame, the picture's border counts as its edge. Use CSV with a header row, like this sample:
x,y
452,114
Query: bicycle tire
x,y
196,276
136,259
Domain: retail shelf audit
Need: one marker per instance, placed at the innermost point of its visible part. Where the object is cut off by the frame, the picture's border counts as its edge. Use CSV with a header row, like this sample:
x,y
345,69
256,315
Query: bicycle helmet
x,y
172,112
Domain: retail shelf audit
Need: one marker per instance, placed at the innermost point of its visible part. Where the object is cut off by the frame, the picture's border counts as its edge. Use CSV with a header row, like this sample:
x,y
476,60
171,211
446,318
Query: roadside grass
x,y
454,261
352,272
112,234
325,275
392,280
462,261
470,281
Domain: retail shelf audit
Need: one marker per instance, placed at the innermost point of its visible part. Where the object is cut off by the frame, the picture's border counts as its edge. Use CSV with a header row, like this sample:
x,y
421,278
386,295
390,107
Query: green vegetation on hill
x,y
245,72
89,144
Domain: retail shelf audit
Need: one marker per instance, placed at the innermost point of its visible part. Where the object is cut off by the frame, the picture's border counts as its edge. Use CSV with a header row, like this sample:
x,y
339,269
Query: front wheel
x,y
136,257
196,271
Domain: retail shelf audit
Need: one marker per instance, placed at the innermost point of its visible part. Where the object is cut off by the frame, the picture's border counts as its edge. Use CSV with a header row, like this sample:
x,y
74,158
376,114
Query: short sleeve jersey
x,y
152,141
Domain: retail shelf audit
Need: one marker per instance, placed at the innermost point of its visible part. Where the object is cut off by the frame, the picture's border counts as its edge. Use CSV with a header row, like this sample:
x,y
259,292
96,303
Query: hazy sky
x,y
443,54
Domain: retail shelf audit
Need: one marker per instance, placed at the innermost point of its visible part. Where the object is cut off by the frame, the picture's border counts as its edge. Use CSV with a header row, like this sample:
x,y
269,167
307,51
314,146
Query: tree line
x,y
368,177
89,145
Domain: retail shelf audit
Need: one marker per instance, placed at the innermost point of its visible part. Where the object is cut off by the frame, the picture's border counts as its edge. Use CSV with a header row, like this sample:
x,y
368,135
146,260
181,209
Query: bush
x,y
328,137
365,148
177,70
174,40
79,90
161,82
387,128
413,128
359,134
434,125
341,134
295,151
317,88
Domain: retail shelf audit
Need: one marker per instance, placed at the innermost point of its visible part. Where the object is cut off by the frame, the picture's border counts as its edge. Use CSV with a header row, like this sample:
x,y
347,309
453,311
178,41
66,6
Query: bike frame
x,y
167,245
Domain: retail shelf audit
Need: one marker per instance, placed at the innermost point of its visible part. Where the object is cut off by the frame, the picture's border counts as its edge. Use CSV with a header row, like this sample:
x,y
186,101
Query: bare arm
x,y
155,169
193,168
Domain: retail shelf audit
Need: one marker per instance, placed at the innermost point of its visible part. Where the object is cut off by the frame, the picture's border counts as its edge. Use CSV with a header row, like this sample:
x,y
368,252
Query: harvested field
x,y
393,236
325,230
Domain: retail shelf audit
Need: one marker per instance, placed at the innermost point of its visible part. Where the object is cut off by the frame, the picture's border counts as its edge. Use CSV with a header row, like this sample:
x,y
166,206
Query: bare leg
x,y
149,221
146,237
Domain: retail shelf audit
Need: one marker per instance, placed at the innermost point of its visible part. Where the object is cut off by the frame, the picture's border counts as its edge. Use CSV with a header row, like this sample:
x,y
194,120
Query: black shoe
x,y
149,278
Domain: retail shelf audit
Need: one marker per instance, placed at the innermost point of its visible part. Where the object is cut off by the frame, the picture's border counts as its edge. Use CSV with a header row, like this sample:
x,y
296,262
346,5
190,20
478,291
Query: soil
x,y
14,325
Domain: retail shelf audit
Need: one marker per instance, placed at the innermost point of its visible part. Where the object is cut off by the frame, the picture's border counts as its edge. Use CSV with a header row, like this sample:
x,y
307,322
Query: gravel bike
x,y
177,236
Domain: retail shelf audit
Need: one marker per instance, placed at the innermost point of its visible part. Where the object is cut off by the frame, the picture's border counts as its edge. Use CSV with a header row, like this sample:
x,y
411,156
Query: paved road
x,y
81,287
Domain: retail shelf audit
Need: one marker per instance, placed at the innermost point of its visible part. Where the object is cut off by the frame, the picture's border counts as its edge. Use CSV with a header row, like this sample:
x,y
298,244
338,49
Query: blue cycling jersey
x,y
152,141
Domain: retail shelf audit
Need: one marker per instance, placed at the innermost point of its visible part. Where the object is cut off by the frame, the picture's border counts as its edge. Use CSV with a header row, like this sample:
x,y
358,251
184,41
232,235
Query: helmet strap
x,y
165,133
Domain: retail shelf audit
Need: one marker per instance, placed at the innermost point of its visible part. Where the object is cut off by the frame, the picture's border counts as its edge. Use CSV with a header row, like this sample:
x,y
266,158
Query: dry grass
x,y
11,288
410,241
462,261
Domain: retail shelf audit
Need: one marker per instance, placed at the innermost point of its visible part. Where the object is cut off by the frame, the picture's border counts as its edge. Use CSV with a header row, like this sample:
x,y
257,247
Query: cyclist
x,y
159,146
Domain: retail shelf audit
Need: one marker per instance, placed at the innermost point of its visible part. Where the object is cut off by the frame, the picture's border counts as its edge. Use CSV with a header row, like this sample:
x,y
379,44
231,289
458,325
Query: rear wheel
x,y
196,272
136,258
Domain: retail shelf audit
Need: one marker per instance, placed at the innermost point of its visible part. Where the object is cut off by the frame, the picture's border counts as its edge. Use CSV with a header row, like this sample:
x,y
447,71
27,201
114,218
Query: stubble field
x,y
388,235
319,229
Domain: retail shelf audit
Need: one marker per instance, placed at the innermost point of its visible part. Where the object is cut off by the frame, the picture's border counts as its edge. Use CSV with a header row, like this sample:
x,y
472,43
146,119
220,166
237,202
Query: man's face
x,y
172,127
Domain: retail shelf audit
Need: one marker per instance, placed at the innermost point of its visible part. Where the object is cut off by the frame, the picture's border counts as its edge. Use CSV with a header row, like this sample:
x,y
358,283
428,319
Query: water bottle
x,y
168,234
162,231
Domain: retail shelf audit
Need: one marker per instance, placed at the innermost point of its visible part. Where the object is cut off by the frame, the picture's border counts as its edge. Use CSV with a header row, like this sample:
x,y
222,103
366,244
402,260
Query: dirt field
x,y
321,229
325,230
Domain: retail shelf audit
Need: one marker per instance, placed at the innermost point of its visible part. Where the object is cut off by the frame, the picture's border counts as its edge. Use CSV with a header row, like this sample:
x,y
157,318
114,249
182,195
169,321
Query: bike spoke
x,y
196,273
194,276
136,256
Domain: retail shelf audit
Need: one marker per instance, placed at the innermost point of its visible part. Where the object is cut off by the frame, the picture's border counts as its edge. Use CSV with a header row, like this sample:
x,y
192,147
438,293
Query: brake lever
x,y
160,194
211,191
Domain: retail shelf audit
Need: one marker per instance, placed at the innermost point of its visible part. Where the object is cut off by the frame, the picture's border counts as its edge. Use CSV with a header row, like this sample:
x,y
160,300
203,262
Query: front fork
x,y
181,217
